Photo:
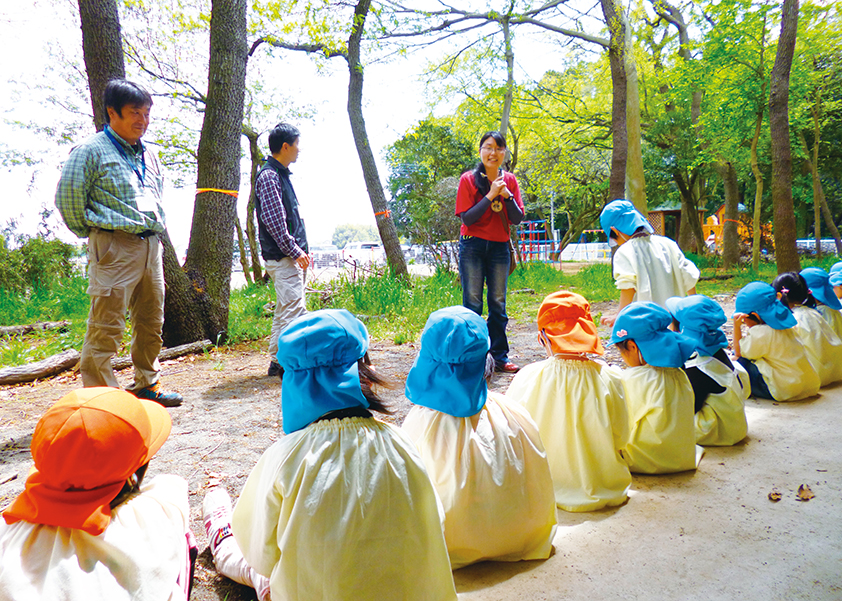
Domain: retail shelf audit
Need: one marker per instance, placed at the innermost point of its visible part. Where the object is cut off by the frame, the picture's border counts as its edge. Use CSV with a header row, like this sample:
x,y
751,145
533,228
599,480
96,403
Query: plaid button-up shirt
x,y
101,187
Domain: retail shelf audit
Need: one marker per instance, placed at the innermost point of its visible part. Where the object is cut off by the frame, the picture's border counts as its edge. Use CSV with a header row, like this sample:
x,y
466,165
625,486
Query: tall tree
x,y
102,46
786,252
197,296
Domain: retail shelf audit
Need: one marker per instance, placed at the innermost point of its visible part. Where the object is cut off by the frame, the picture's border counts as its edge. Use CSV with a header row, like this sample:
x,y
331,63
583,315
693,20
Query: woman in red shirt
x,y
488,201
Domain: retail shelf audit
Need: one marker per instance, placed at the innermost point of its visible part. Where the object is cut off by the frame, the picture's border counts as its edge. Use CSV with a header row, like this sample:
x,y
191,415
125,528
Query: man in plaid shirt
x,y
110,192
283,240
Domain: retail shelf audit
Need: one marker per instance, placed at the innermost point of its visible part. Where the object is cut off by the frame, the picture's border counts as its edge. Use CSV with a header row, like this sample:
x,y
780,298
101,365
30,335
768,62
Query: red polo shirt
x,y
489,226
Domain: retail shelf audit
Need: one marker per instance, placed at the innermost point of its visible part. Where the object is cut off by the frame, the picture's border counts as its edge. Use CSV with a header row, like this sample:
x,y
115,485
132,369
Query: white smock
x,y
662,434
833,317
655,267
782,361
491,474
582,418
139,557
823,346
344,510
721,421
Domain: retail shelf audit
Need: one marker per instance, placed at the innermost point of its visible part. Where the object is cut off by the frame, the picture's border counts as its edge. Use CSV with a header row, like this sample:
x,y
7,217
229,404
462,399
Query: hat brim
x,y
666,349
777,317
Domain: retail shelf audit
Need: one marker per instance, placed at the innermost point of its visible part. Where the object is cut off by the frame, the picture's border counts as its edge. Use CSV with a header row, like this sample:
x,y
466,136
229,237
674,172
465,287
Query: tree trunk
x,y
241,244
730,227
818,191
786,253
385,223
102,46
251,225
210,253
619,135
510,77
758,193
635,179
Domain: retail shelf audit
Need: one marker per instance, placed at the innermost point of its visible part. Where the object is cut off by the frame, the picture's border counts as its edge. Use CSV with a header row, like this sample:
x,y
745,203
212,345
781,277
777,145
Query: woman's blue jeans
x,y
486,262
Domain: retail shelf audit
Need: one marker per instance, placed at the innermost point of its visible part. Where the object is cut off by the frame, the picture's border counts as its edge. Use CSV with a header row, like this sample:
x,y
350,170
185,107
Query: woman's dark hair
x,y
120,92
282,133
130,486
480,181
369,378
794,290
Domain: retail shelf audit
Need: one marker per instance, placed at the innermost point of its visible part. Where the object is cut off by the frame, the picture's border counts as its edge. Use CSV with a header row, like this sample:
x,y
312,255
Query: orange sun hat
x,y
565,319
85,447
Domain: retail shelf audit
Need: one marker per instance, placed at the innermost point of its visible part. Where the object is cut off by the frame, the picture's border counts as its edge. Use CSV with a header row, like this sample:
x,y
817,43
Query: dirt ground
x,y
709,534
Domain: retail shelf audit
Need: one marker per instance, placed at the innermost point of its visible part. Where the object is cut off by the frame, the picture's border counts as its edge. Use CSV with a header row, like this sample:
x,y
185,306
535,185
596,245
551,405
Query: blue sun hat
x,y
319,353
647,324
623,217
700,318
819,282
761,298
836,274
449,372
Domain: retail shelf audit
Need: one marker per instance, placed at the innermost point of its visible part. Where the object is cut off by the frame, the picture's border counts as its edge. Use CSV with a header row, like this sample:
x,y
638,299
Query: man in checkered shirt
x,y
110,192
283,239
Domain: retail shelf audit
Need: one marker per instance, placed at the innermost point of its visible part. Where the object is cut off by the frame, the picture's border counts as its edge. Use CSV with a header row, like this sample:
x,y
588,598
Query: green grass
x,y
392,309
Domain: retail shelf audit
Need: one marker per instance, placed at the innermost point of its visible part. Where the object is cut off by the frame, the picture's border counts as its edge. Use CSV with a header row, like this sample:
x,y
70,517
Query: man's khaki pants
x,y
289,281
125,272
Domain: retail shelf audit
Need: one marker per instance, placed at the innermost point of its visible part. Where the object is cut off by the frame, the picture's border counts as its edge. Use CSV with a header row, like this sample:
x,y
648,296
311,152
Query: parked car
x,y
325,255
363,253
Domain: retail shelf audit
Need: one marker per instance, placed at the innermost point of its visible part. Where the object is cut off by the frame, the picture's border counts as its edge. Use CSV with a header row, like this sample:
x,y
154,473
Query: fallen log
x,y
165,354
70,358
32,327
40,369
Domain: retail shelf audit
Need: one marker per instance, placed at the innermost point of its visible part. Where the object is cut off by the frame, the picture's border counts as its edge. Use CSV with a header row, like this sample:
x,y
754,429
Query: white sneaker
x,y
216,514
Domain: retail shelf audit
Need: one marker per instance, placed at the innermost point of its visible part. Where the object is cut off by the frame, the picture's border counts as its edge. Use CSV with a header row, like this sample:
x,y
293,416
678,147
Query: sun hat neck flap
x,y
449,372
700,318
565,318
84,448
647,324
819,282
623,217
319,353
761,298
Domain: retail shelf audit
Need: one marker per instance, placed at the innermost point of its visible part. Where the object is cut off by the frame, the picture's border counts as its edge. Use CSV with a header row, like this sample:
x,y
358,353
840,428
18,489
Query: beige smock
x,y
491,474
782,361
661,429
721,421
833,317
823,346
139,557
344,509
582,418
655,267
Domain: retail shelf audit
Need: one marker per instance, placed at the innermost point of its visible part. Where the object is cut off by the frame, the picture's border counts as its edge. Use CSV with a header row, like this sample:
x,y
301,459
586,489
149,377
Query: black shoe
x,y
154,393
275,369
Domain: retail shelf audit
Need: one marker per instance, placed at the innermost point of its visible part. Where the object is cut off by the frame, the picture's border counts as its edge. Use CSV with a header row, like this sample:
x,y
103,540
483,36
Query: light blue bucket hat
x,y
319,353
819,282
761,298
700,318
623,217
647,324
836,274
449,372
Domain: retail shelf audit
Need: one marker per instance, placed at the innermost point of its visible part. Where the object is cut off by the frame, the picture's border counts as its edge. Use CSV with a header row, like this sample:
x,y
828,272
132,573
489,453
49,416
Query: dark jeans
x,y
758,384
485,262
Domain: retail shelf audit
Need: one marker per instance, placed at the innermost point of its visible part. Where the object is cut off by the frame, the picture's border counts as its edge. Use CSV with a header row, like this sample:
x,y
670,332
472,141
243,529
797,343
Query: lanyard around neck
x,y
140,175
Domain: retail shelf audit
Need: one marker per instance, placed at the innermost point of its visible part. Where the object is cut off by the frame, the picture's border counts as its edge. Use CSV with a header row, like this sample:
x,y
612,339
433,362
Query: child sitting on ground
x,y
658,394
87,526
823,346
824,293
483,452
646,267
719,393
341,507
770,351
578,405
